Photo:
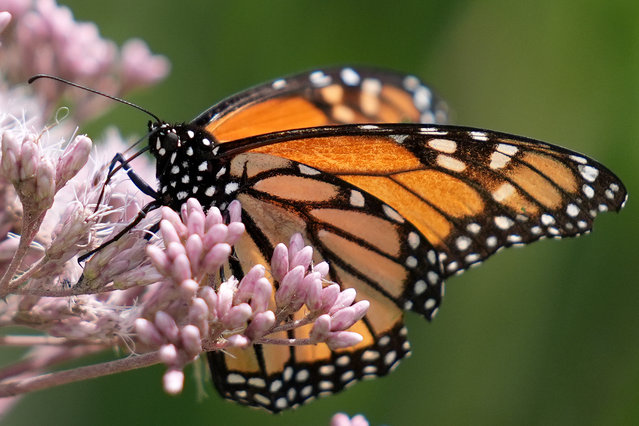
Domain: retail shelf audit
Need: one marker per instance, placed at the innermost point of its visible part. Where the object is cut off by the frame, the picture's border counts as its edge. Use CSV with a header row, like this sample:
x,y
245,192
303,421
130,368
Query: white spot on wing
x,y
257,382
391,213
279,84
432,131
473,228
235,379
302,375
319,79
507,149
399,138
450,163
390,357
326,370
306,170
547,219
588,172
343,360
370,355
572,210
231,187
443,145
420,287
430,303
262,399
357,199
479,136
413,240
472,258
498,160
588,191
350,77
462,243
432,257
411,82
422,97
503,222
371,86
504,191
578,159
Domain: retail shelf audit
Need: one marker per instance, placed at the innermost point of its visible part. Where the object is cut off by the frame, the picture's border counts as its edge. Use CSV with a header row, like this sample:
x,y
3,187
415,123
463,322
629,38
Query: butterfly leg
x,y
141,215
135,178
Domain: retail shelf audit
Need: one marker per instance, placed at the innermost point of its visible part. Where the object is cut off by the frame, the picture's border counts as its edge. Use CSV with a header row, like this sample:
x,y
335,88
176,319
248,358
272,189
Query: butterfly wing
x,y
394,209
469,192
323,97
281,197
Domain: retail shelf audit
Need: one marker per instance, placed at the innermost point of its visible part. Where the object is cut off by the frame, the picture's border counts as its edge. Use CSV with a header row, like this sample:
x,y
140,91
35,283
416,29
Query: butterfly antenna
x,y
97,92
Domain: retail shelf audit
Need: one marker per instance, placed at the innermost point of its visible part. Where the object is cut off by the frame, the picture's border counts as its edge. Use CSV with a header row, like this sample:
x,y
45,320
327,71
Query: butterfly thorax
x,y
187,165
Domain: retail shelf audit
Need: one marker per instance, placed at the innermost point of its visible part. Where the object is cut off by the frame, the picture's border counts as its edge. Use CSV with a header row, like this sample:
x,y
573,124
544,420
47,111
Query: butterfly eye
x,y
170,141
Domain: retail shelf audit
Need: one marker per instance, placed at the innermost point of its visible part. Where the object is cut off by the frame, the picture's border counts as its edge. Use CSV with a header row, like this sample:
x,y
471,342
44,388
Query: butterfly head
x,y
187,165
163,139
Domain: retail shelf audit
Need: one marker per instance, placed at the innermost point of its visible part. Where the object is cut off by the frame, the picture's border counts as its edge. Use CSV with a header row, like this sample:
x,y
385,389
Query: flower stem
x,y
44,340
30,229
44,381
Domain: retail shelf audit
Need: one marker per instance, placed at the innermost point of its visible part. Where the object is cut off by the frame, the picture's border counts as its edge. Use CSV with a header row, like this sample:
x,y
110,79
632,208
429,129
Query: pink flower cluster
x,y
341,419
162,298
42,37
186,315
36,177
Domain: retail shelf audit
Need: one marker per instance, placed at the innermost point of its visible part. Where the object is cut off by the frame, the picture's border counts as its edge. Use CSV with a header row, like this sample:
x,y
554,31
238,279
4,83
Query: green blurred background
x,y
548,334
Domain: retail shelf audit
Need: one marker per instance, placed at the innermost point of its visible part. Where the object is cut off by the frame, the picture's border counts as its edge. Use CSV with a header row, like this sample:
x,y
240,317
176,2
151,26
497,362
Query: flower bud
x,y
343,339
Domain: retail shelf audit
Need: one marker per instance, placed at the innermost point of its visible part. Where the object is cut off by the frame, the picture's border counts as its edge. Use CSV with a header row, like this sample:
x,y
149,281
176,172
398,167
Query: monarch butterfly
x,y
394,208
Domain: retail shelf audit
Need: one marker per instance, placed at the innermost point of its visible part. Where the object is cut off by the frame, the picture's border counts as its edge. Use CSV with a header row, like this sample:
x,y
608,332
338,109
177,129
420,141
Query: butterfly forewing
x,y
324,97
469,192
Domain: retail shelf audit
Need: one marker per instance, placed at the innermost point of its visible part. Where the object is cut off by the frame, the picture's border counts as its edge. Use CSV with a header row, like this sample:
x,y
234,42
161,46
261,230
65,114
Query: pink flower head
x,y
43,37
157,294
141,68
341,419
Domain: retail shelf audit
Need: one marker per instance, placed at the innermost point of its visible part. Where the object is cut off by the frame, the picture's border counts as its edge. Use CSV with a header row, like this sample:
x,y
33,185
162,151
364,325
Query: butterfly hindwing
x,y
368,244
340,95
369,247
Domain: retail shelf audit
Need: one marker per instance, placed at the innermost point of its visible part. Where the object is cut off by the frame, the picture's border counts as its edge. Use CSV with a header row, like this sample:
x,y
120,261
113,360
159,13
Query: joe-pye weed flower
x,y
156,296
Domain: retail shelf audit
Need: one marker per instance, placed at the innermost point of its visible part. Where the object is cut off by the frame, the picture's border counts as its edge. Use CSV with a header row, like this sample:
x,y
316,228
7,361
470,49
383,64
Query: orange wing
x,y
394,209
469,192
366,249
323,97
